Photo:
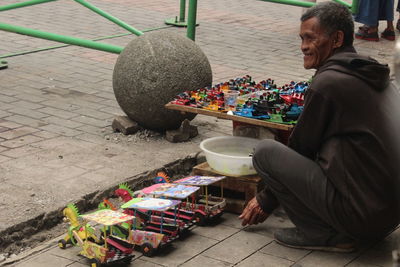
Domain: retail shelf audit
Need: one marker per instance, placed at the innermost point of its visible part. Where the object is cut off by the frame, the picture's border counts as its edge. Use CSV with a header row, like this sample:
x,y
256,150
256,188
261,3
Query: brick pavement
x,y
57,105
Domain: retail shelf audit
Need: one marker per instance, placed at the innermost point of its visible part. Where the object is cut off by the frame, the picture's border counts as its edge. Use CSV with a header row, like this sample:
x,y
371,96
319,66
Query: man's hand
x,y
253,213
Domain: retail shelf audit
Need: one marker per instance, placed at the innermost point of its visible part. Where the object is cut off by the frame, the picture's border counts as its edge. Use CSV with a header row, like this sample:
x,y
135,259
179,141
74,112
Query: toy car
x,y
205,205
143,207
112,250
174,191
180,217
84,231
146,242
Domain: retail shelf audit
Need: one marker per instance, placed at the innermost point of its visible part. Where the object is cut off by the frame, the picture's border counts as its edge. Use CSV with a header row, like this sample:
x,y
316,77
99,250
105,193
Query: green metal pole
x,y
182,10
65,45
61,38
343,3
110,17
292,2
22,4
354,7
191,29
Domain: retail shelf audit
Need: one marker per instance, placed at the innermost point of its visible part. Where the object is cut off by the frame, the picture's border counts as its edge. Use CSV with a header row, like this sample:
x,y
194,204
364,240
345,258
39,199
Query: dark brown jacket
x,y
351,127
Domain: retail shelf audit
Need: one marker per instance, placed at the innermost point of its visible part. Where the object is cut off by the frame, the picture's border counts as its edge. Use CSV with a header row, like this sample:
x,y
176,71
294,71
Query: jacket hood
x,y
346,60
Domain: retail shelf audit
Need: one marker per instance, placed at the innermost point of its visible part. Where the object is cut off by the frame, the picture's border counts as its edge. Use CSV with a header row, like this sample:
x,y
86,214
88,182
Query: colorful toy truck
x,y
146,242
112,250
84,231
144,207
205,206
179,217
174,191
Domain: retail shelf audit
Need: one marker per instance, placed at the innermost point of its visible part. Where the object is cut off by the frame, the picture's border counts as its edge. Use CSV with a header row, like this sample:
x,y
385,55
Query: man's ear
x,y
338,40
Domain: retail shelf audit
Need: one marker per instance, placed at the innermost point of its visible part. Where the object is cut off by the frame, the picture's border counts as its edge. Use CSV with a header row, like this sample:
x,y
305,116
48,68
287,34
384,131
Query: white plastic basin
x,y
230,155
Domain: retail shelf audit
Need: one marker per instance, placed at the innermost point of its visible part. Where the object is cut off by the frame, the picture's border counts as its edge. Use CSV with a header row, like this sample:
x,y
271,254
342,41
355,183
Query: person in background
x,y
370,12
338,177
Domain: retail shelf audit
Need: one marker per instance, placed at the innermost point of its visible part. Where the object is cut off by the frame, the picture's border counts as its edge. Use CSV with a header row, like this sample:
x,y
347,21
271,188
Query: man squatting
x,y
338,177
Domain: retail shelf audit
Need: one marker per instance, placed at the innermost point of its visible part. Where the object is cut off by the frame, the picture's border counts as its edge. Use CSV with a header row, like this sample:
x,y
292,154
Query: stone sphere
x,y
154,68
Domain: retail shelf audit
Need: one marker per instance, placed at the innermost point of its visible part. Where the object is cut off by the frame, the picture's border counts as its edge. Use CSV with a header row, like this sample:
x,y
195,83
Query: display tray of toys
x,y
265,100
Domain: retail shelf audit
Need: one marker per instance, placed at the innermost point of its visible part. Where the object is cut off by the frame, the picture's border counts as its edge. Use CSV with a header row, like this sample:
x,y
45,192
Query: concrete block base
x,y
183,134
125,125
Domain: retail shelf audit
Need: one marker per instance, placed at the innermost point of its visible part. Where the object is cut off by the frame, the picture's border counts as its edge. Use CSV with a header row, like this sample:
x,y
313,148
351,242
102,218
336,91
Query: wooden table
x,y
238,190
224,115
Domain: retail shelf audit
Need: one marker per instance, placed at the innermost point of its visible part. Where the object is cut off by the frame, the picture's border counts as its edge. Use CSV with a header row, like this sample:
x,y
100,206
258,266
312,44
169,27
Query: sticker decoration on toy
x,y
170,190
199,180
157,204
107,217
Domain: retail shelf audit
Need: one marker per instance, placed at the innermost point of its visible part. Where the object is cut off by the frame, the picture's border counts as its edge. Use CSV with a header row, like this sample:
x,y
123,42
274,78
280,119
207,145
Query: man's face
x,y
315,44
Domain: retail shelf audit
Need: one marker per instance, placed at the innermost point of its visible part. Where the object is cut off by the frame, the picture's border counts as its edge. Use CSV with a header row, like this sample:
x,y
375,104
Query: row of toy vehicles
x,y
263,100
143,222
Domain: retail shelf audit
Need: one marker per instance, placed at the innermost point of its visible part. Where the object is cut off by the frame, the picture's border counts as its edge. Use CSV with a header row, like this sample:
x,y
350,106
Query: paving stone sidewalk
x,y
224,243
57,104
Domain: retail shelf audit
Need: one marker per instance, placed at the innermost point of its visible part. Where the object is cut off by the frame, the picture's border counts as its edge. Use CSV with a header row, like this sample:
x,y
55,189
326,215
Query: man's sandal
x,y
388,35
368,36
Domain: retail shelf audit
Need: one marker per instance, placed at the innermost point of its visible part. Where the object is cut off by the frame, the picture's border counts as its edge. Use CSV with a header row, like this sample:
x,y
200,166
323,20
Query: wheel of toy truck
x,y
147,249
199,218
218,215
62,244
95,263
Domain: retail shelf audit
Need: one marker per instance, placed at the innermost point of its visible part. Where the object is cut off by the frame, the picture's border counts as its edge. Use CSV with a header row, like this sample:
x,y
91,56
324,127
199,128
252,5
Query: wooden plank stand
x,y
238,190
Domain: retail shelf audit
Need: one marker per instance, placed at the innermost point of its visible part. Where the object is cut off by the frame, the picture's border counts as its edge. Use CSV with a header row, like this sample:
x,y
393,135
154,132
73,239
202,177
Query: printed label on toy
x,y
157,204
200,180
170,190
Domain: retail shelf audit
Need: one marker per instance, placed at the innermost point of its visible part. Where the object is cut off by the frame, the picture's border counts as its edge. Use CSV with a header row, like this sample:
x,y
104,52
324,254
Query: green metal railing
x,y
109,17
191,30
68,39
89,43
23,4
180,21
24,52
61,38
191,23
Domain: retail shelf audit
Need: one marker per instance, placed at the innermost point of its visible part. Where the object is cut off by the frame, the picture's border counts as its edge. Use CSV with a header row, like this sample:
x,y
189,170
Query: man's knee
x,y
265,153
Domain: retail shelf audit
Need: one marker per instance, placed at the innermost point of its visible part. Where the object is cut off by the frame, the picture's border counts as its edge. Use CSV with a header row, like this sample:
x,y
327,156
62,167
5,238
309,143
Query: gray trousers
x,y
301,187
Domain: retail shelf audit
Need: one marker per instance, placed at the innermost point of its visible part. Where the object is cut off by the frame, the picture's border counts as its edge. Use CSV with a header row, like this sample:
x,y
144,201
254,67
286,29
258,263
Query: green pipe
x,y
182,10
191,27
354,7
343,3
20,53
110,17
61,38
292,2
22,4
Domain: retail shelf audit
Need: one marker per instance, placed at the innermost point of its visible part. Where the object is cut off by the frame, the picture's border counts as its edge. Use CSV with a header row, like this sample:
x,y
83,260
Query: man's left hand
x,y
253,213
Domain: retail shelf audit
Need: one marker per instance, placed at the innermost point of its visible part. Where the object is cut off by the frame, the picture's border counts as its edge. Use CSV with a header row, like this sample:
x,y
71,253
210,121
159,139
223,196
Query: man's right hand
x,y
253,213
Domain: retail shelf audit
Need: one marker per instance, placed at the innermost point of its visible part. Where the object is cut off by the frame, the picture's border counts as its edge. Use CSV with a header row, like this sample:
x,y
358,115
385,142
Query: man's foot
x,y
388,35
294,238
367,34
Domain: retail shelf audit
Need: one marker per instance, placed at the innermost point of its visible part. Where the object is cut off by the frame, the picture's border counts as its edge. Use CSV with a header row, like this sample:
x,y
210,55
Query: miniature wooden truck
x,y
183,218
205,206
112,250
168,227
202,206
174,191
